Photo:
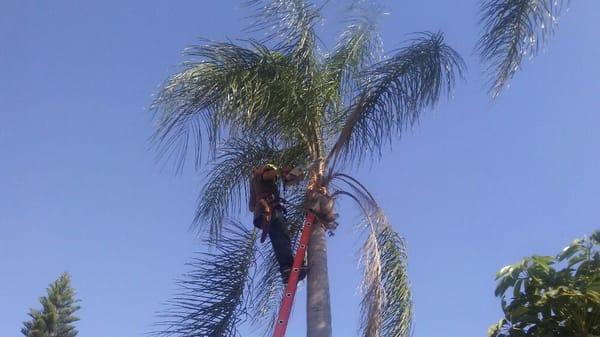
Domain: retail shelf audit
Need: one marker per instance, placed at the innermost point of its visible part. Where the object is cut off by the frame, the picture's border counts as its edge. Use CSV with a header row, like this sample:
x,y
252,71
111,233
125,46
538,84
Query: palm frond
x,y
359,46
398,304
395,93
226,86
386,306
213,296
291,24
226,184
371,308
513,29
268,291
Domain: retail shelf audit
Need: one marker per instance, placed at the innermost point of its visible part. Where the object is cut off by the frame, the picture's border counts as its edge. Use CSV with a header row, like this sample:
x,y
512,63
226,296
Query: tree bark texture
x,y
318,308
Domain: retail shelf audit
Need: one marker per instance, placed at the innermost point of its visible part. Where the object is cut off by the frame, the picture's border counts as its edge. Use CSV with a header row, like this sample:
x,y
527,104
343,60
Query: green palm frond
x,y
386,306
359,46
226,186
193,97
295,197
227,87
284,20
213,297
395,93
290,23
268,292
513,29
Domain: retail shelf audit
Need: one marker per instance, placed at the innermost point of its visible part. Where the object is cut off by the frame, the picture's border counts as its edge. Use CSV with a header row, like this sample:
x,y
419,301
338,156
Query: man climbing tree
x,y
269,213
282,97
283,100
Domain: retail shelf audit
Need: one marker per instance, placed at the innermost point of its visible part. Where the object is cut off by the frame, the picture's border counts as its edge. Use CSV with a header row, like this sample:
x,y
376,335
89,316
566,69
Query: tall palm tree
x,y
513,29
281,100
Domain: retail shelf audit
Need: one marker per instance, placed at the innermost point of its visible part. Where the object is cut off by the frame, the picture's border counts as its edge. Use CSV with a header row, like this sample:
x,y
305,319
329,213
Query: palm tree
x,y
513,29
281,100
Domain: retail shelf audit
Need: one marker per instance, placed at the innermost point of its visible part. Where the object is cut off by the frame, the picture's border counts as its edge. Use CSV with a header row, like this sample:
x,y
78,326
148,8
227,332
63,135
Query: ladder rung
x,y
288,300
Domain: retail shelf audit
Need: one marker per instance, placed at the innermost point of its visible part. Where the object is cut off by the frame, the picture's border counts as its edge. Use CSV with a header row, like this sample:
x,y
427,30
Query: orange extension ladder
x,y
290,291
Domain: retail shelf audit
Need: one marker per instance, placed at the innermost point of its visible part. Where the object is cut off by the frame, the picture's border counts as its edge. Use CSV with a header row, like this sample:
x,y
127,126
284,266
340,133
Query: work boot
x,y
285,274
303,273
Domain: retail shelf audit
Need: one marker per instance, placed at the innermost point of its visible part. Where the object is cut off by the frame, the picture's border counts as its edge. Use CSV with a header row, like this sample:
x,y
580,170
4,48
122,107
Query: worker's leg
x,y
280,239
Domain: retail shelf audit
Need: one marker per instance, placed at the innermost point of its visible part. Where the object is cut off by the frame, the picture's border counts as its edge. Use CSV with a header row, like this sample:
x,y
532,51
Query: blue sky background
x,y
474,187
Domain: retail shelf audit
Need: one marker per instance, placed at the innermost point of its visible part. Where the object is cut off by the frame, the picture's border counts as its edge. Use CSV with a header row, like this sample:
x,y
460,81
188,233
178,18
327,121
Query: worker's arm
x,y
270,175
292,175
285,170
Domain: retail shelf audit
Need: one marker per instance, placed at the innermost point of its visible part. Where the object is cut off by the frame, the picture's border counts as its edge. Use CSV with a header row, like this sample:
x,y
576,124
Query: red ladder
x,y
290,291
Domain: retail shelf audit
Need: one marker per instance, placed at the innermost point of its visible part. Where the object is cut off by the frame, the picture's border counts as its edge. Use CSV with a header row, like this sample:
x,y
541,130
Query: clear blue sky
x,y
474,187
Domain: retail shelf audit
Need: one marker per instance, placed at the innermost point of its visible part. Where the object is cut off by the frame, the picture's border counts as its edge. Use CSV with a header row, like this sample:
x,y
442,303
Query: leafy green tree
x,y
282,99
552,296
512,30
56,317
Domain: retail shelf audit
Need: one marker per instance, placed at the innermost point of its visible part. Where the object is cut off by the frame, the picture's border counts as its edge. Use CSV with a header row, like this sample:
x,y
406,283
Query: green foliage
x,y
281,99
394,93
211,302
513,29
56,318
552,296
283,89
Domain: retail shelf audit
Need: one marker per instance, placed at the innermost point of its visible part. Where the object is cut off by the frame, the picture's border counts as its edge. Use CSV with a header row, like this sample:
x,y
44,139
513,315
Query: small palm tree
x,y
513,29
281,100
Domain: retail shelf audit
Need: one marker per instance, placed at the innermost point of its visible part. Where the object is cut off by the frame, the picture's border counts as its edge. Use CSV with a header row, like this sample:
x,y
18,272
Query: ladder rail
x,y
290,292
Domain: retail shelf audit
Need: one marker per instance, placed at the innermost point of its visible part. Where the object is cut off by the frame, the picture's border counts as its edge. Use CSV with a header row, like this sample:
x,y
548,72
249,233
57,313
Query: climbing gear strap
x,y
290,291
267,213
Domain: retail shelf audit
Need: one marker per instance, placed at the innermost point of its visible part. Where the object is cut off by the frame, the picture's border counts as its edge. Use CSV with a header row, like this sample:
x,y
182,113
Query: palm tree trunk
x,y
318,308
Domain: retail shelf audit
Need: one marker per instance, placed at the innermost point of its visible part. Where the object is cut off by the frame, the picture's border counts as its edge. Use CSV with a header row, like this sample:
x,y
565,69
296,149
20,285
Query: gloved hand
x,y
292,176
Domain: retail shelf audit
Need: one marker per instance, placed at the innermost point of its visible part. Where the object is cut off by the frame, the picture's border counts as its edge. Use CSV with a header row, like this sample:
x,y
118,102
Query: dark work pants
x,y
280,239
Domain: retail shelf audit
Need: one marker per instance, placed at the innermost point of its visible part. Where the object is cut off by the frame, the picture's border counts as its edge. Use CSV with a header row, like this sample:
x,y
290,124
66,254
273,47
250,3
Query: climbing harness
x,y
290,290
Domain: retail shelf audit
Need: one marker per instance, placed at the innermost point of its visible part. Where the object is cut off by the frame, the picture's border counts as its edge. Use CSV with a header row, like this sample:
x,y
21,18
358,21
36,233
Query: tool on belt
x,y
262,219
265,197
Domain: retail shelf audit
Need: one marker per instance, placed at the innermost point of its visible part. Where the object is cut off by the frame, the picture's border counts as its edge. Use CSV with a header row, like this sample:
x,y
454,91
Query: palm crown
x,y
281,100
